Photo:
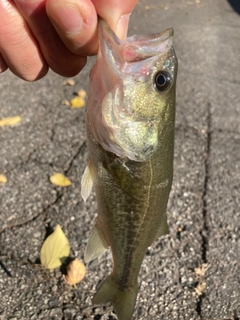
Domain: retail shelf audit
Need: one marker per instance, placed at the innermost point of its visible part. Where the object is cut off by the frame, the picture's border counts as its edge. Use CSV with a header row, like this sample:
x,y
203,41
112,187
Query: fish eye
x,y
162,80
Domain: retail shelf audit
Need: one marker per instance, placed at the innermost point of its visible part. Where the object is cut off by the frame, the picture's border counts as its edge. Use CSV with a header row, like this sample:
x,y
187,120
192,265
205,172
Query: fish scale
x,y
130,131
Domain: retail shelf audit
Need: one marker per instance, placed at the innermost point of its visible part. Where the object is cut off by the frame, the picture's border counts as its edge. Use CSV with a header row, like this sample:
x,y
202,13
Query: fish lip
x,y
162,36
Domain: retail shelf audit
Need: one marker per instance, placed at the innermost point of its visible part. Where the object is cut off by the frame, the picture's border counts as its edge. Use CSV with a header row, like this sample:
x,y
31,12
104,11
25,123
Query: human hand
x,y
57,34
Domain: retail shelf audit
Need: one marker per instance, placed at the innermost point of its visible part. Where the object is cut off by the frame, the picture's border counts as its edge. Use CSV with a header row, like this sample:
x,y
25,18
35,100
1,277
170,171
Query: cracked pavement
x,y
203,210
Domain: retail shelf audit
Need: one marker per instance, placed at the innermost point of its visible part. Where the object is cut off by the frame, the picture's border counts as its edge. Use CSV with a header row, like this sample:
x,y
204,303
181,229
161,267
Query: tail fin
x,y
123,300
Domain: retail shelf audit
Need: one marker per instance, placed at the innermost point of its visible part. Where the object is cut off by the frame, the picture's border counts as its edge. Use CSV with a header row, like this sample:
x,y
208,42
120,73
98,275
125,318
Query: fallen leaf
x,y
69,82
66,102
147,7
3,178
75,272
82,93
201,270
200,288
60,180
55,249
12,121
77,102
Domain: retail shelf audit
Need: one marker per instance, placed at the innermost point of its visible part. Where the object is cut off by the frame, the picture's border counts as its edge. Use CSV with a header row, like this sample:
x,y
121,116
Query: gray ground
x,y
203,209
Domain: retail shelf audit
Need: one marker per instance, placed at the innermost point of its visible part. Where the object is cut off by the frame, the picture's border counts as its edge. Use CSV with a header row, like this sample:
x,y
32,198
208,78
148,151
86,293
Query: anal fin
x,y
97,244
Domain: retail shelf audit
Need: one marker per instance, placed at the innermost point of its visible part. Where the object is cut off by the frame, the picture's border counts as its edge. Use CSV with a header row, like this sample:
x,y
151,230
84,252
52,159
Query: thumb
x,y
116,13
76,23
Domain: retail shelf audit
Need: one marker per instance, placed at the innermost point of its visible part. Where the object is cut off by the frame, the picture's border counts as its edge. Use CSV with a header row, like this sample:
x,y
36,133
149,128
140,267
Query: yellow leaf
x,y
12,121
60,180
77,102
82,93
3,178
66,102
69,82
75,272
55,249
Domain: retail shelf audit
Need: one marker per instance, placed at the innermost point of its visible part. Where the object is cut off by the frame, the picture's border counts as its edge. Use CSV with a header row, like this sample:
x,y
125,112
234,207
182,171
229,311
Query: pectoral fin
x,y
87,181
97,244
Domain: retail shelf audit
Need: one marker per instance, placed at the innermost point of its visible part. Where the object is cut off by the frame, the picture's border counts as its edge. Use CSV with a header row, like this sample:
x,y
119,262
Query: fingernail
x,y
67,18
122,26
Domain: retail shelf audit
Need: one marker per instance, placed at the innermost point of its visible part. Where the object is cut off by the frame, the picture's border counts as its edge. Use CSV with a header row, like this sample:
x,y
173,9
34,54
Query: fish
x,y
130,120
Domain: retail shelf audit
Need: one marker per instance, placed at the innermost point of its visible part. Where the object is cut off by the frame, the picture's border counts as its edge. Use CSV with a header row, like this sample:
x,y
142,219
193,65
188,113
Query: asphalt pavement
x,y
192,273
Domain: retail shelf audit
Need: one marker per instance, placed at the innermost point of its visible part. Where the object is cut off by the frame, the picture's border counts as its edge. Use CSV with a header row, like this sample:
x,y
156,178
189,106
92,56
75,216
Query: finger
x,y
18,47
3,65
76,24
59,58
116,13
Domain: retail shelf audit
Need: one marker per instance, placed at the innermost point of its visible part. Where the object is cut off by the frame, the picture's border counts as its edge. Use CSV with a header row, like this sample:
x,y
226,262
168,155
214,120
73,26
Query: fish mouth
x,y
164,35
136,47
147,46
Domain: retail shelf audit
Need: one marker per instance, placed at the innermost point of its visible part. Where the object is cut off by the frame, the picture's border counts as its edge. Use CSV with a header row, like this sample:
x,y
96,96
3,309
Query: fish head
x,y
134,83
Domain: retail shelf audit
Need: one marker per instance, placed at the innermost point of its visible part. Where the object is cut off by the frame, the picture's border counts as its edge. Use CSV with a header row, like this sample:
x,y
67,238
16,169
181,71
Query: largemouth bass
x,y
130,130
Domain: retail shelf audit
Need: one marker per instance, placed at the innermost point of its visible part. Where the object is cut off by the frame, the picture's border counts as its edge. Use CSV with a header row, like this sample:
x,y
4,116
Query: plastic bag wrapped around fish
x,y
130,129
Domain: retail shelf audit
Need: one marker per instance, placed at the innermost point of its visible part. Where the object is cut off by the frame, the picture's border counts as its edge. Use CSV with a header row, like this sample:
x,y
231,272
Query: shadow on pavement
x,y
235,5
